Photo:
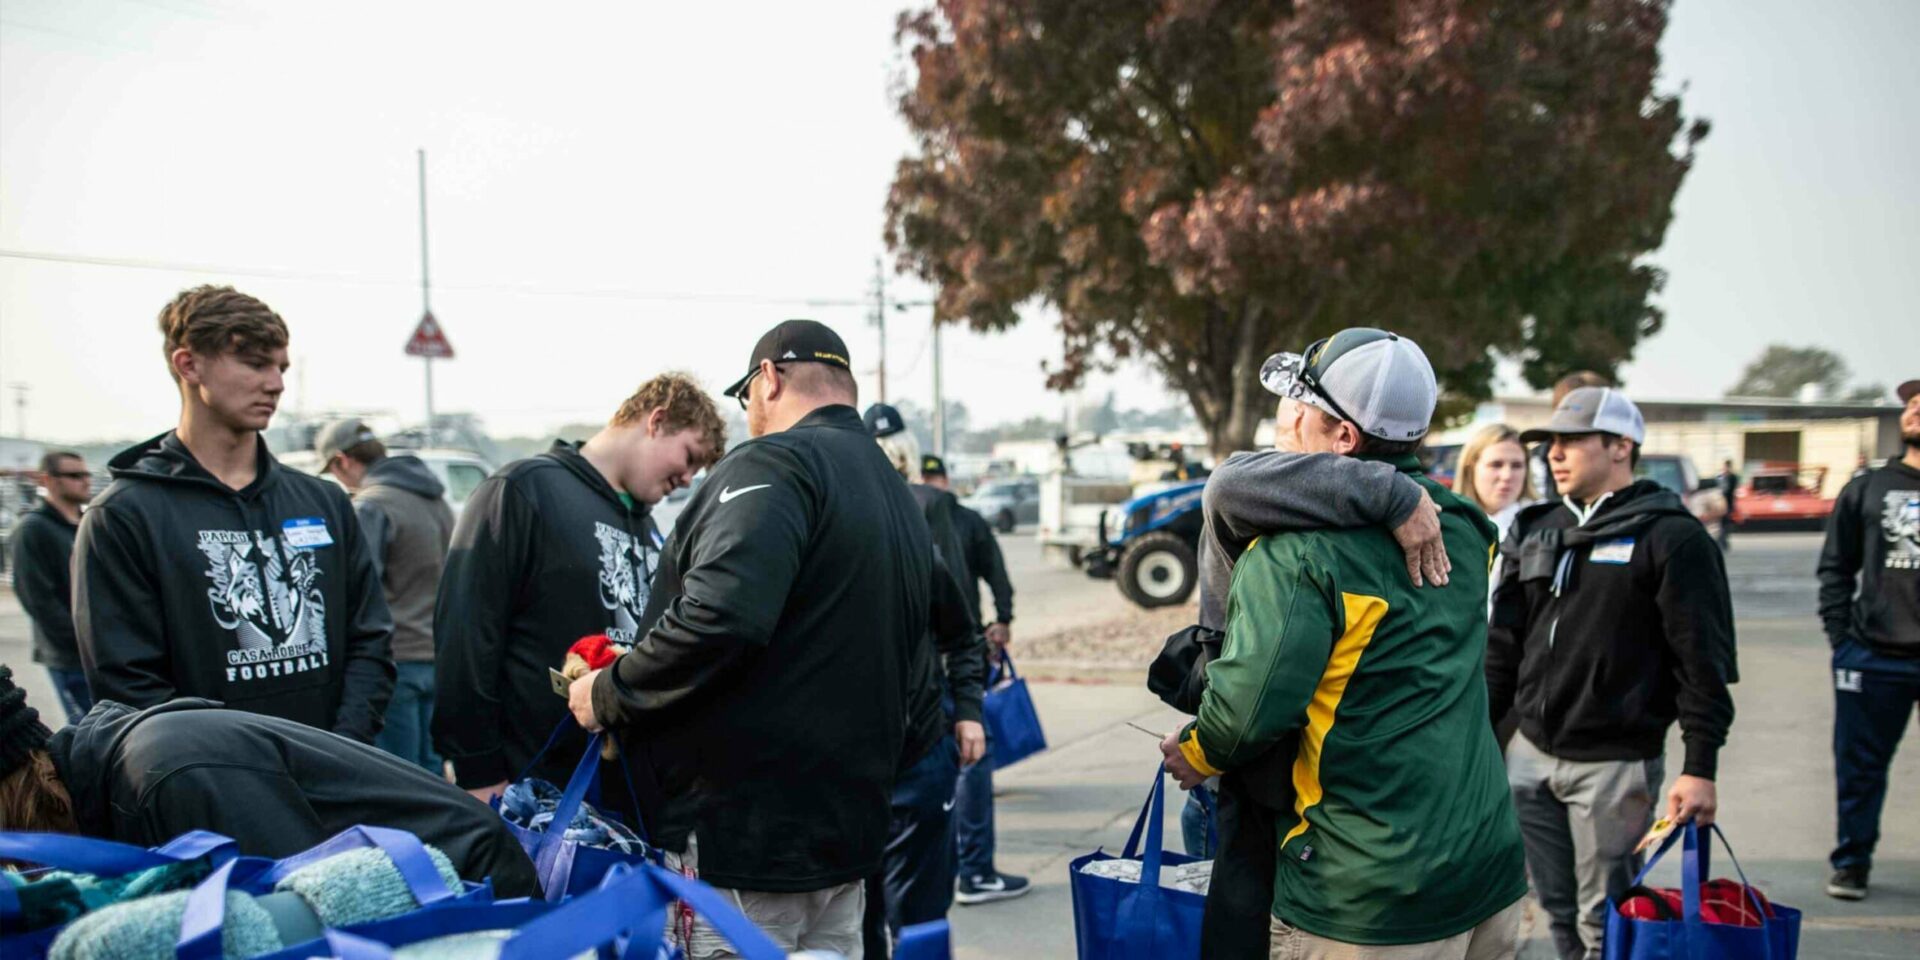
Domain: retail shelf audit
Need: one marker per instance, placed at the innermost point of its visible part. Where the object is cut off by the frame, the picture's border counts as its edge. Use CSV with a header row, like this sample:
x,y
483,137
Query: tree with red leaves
x,y
1205,182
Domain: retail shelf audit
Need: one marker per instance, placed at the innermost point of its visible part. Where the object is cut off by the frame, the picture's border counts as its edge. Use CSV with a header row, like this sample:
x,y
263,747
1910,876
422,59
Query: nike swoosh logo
x,y
946,806
730,493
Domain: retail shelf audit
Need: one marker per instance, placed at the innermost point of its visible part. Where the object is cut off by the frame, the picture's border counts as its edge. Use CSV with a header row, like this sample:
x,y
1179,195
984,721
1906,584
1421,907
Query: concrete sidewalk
x,y
1776,795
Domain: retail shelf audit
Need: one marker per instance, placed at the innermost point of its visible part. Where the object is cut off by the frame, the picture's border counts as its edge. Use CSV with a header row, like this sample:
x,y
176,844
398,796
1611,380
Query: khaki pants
x,y
1496,938
826,919
1579,821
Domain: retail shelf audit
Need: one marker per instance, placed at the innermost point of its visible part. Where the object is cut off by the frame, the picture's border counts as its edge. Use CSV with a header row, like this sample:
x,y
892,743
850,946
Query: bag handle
x,y
408,854
726,919
547,854
1150,824
205,917
101,857
108,857
624,907
1006,664
1694,873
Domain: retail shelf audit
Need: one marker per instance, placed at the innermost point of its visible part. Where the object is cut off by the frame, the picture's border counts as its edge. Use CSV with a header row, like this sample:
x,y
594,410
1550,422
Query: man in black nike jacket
x,y
767,697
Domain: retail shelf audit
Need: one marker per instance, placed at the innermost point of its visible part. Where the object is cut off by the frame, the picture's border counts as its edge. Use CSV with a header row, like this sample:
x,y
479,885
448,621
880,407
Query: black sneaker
x,y
988,887
1848,883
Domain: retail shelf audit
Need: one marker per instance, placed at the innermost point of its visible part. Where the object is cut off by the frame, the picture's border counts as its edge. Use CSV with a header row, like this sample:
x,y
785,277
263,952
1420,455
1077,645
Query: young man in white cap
x,y
1402,834
1611,619
1870,605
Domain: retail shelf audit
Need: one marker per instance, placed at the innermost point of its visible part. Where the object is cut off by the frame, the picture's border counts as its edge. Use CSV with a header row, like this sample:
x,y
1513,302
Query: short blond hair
x,y
903,451
1493,434
687,406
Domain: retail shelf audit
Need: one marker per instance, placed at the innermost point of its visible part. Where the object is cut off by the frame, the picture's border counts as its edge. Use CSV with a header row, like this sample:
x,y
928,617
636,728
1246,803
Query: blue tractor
x,y
1150,544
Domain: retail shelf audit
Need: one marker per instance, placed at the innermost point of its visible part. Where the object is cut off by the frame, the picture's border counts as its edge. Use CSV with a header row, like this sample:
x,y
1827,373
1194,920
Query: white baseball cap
x,y
1592,410
1379,381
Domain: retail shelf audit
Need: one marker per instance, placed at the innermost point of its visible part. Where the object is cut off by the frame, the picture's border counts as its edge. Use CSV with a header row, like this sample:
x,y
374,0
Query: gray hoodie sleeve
x,y
1253,494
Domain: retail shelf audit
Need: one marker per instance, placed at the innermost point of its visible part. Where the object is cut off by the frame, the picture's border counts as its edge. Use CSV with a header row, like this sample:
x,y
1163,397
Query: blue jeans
x,y
76,698
973,817
1197,833
1873,702
408,733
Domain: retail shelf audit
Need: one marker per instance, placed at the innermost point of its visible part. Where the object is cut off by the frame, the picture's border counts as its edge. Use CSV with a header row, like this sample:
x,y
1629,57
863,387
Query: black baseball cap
x,y
795,341
883,420
932,466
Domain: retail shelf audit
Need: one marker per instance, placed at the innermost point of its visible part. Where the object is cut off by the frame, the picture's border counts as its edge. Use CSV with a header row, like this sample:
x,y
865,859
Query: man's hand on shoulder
x,y
1419,539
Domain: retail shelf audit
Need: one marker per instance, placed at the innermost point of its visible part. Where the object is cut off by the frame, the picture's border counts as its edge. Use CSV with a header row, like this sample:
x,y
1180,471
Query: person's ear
x,y
186,365
1348,438
656,421
771,375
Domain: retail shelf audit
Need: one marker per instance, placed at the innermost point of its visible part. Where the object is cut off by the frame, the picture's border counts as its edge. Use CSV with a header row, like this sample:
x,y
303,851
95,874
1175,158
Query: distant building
x,y
1750,431
18,454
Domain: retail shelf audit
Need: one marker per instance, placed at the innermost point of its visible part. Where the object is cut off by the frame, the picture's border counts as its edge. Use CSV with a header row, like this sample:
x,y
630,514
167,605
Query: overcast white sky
x,y
619,188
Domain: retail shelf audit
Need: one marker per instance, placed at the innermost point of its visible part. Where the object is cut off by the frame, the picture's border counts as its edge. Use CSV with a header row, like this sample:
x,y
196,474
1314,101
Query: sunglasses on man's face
x,y
746,390
73,475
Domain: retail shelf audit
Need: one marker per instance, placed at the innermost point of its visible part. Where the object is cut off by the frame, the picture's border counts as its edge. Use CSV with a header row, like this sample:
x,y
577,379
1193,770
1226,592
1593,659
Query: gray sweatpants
x,y
1579,821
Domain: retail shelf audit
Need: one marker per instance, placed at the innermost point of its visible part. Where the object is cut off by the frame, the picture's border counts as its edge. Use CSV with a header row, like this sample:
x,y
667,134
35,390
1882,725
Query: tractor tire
x,y
1158,570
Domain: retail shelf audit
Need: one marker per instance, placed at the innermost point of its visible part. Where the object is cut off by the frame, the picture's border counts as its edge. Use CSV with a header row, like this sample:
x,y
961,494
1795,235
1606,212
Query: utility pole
x,y
426,298
939,397
20,407
880,320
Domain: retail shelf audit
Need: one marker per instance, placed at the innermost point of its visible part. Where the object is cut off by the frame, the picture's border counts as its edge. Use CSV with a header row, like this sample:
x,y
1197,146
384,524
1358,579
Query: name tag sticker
x,y
306,533
1612,551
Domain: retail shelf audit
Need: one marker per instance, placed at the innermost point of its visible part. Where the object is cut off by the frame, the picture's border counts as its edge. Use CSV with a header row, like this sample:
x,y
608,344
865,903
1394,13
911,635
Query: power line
x,y
531,290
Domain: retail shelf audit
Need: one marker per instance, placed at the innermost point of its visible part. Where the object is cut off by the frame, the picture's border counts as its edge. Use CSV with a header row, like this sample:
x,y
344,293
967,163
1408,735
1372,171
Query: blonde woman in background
x,y
1493,474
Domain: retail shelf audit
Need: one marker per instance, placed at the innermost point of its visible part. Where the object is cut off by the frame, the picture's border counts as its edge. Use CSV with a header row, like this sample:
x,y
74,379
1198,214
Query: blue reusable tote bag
x,y
104,858
1117,920
564,866
203,923
1688,937
1012,723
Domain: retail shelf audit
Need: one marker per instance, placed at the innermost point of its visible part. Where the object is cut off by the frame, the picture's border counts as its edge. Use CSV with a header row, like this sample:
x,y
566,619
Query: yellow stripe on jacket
x,y
1363,616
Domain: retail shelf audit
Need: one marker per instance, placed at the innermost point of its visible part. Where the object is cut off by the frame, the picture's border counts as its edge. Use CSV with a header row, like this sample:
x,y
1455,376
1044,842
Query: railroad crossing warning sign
x,y
429,340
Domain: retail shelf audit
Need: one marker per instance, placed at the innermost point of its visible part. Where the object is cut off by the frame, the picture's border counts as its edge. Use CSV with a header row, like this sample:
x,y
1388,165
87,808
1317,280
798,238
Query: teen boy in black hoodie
x,y
207,570
1611,620
548,550
1870,605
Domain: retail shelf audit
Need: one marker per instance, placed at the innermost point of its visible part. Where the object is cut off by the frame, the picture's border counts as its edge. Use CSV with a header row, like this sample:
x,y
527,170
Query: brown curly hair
x,y
34,798
687,407
211,320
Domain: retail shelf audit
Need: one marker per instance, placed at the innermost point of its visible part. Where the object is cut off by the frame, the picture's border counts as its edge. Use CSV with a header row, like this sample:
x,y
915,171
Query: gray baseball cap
x,y
1592,410
339,436
1379,381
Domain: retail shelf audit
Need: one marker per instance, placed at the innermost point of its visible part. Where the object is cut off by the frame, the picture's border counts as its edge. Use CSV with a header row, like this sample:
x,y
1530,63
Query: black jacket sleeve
x,y
479,592
123,641
1506,630
988,563
41,581
1698,615
1178,676
376,531
961,645
738,562
1839,568
369,671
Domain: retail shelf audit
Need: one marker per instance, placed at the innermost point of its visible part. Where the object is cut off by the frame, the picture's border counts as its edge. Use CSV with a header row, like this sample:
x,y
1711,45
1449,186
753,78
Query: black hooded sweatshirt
x,y
43,580
1870,566
545,552
263,598
1604,632
146,776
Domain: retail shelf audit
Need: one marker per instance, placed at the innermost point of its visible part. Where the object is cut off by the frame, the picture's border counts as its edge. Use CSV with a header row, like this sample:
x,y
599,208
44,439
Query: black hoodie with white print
x,y
545,552
263,598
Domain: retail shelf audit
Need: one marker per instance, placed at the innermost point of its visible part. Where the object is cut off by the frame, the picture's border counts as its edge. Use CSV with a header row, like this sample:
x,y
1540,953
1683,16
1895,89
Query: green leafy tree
x,y
1201,183
1783,371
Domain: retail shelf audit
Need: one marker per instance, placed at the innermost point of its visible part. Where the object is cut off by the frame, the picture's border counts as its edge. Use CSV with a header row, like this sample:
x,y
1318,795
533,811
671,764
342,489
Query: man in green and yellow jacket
x,y
1403,830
